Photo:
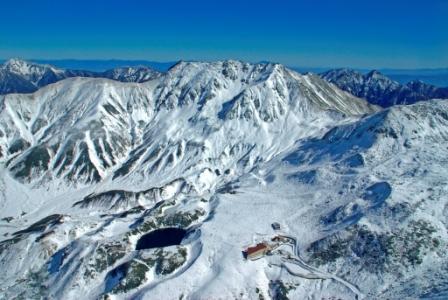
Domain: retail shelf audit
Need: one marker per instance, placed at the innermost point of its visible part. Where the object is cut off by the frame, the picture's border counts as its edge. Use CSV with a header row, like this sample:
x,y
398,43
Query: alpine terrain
x,y
221,180
19,76
380,90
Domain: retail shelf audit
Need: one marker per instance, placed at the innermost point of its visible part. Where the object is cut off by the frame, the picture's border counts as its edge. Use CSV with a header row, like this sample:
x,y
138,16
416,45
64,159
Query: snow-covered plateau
x,y
113,190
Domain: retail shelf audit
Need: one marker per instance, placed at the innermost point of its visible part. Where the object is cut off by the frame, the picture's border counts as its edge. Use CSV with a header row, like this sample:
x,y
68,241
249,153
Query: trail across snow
x,y
315,273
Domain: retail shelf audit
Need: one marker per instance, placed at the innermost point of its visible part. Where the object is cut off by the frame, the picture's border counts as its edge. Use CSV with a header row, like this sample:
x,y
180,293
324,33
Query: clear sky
x,y
311,33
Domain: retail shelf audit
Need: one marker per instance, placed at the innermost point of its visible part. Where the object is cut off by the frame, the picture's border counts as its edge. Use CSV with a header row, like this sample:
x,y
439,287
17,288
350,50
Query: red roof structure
x,y
257,251
256,248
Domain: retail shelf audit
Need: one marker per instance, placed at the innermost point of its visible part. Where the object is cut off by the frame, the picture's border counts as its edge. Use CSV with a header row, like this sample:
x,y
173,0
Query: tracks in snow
x,y
310,272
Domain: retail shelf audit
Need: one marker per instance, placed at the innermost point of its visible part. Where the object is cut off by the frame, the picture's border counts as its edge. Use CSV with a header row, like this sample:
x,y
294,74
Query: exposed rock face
x,y
380,90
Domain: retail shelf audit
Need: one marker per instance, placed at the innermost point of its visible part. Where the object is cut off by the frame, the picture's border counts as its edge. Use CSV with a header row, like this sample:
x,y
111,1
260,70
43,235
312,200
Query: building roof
x,y
256,248
275,225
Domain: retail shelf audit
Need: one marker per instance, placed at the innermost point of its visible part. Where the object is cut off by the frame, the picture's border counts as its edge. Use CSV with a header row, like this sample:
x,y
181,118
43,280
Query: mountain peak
x,y
341,74
16,64
21,76
379,89
27,68
376,75
15,61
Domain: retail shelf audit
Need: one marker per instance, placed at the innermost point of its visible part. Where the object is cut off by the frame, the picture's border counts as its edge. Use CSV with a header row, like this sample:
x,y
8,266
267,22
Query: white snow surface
x,y
223,150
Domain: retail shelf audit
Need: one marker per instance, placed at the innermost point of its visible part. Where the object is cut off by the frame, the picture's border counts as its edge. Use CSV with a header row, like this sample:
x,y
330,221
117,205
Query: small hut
x,y
275,226
257,251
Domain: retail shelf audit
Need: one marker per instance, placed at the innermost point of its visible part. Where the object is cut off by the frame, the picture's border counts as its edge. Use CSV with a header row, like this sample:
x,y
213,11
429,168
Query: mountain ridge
x,y
192,82
91,168
24,77
380,90
18,76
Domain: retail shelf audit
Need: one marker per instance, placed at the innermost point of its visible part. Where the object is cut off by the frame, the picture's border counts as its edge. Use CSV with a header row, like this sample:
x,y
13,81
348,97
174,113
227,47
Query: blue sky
x,y
319,33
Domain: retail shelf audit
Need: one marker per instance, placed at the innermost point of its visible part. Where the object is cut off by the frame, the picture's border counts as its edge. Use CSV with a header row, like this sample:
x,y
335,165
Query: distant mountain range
x,y
103,65
18,76
437,77
381,90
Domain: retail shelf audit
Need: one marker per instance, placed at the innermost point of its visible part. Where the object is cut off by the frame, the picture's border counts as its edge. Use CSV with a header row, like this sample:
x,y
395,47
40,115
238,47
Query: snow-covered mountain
x,y
130,74
19,76
96,175
380,90
24,77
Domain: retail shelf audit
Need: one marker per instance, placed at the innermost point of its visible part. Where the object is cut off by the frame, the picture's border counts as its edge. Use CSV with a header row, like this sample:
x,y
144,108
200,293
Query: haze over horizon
x,y
375,35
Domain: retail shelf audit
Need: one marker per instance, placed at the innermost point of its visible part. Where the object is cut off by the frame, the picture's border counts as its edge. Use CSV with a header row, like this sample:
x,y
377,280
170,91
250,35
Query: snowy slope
x,y
366,201
80,129
19,76
130,74
89,166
